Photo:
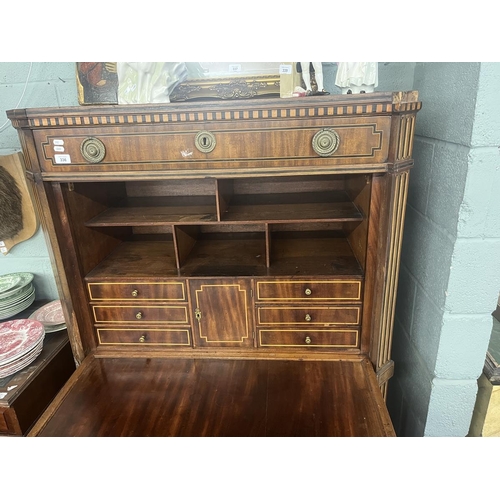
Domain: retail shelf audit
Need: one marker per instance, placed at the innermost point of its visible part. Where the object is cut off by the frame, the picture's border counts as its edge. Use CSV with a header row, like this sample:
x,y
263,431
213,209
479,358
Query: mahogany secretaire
x,y
227,268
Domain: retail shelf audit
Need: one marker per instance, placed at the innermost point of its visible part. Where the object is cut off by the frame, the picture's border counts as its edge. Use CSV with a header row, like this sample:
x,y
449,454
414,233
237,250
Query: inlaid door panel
x,y
221,311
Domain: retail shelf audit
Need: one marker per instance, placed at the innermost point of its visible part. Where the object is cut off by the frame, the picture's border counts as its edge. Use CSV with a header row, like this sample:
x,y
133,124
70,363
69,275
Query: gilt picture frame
x,y
97,82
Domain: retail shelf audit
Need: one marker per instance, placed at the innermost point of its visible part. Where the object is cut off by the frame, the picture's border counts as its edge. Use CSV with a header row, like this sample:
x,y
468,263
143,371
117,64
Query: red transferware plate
x,y
19,336
50,314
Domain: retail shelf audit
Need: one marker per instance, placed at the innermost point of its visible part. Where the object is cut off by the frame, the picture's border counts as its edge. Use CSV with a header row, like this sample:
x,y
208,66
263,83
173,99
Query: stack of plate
x,y
21,342
17,293
51,316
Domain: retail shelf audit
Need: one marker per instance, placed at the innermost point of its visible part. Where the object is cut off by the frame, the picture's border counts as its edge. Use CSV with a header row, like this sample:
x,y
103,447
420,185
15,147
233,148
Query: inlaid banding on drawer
x,y
165,291
308,338
314,315
309,290
149,336
140,314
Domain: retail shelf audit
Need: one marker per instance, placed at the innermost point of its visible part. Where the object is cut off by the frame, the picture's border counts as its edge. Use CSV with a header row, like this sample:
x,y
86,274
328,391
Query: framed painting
x,y
97,82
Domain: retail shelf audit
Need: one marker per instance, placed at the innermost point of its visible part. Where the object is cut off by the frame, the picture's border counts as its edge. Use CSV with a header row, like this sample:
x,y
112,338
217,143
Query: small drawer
x,y
309,290
140,314
165,291
313,315
308,338
149,336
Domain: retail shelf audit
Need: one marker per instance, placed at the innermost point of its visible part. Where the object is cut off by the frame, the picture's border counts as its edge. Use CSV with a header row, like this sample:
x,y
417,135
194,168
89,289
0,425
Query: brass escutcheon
x,y
205,141
325,142
197,314
93,150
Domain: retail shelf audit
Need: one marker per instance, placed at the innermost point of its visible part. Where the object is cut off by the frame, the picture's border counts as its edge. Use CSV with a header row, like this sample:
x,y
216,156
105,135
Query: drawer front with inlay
x,y
309,290
140,314
147,336
165,291
243,140
314,315
342,338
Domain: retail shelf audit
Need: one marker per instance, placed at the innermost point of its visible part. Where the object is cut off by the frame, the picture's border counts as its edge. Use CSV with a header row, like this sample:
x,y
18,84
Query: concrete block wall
x,y
450,275
49,84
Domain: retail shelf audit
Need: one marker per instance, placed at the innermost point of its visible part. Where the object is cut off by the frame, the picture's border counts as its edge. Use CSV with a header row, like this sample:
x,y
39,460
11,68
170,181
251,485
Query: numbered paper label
x,y
285,69
58,142
62,159
58,149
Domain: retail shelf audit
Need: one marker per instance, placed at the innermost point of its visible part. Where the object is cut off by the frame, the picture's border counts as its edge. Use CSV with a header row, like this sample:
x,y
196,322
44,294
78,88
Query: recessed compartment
x,y
282,199
222,250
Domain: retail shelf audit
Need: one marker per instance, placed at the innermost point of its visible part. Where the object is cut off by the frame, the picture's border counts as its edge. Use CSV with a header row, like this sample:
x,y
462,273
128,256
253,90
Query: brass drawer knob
x,y
93,150
308,317
142,338
325,142
139,315
307,340
135,293
308,291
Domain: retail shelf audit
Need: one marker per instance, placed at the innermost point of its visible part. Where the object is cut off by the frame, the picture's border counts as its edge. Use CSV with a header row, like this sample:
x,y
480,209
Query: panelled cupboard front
x,y
242,255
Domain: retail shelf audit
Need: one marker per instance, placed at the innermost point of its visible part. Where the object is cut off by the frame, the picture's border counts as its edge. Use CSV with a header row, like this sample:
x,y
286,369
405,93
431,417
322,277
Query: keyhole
x,y
205,141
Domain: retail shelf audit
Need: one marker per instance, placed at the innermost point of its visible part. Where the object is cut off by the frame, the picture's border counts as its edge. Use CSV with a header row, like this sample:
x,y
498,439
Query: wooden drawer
x,y
308,338
140,314
309,290
238,142
165,291
309,315
144,336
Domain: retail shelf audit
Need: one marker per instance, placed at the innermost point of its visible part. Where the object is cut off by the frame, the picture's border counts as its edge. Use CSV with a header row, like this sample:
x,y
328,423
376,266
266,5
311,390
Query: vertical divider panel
x,y
223,195
185,239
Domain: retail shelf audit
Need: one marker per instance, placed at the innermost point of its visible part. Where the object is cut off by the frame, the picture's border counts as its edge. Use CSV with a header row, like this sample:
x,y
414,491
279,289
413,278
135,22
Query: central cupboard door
x,y
222,313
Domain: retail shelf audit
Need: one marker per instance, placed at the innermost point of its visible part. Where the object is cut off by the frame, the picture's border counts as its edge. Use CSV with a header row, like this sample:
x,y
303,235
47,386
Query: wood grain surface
x,y
218,397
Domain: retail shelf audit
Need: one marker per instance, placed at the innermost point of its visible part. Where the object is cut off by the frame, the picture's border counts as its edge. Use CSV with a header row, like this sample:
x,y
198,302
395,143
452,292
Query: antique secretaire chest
x,y
226,268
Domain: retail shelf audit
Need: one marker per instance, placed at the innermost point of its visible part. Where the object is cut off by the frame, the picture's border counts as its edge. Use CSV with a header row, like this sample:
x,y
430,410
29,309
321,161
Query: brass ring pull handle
x,y
325,142
205,141
142,338
139,315
307,340
308,317
135,293
93,150
308,291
